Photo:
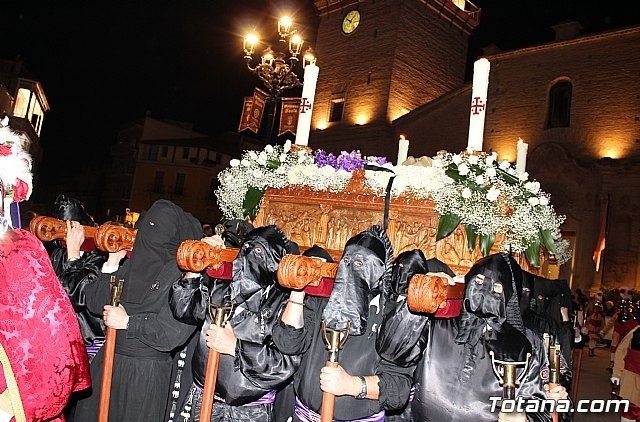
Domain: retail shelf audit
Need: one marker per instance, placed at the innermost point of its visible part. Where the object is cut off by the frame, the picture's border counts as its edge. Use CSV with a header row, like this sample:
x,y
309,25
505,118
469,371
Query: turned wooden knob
x,y
114,238
427,293
196,256
299,271
49,228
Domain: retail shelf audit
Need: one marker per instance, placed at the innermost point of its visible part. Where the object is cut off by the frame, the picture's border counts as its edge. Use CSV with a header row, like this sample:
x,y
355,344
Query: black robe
x,y
357,357
258,367
75,276
141,384
454,380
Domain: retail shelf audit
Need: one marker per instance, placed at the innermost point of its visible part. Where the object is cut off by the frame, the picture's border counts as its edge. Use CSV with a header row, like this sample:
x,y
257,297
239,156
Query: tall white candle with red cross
x,y
478,103
306,103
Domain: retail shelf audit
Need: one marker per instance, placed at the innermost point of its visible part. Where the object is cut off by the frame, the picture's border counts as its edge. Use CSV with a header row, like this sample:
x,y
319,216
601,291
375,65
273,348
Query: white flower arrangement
x,y
475,189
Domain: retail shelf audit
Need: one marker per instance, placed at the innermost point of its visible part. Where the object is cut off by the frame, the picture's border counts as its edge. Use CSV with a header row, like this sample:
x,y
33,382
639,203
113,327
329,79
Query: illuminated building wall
x,y
581,158
402,54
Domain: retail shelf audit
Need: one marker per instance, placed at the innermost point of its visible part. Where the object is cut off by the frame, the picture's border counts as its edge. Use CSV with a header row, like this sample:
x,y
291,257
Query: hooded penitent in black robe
x,y
143,360
247,382
76,275
454,380
358,296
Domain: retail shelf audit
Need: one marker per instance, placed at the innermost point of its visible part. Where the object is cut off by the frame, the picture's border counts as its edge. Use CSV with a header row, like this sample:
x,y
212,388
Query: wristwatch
x,y
363,388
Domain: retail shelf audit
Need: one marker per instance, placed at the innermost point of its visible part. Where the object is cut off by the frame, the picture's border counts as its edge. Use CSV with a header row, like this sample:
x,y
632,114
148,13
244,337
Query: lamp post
x,y
276,69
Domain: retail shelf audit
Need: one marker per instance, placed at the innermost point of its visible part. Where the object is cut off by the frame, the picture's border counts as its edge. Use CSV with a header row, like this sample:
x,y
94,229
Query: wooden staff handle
x,y
211,375
299,271
555,416
107,237
428,293
109,348
210,378
328,400
107,374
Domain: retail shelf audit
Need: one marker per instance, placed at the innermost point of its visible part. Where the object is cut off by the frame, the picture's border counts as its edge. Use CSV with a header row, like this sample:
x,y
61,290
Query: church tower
x,y
380,59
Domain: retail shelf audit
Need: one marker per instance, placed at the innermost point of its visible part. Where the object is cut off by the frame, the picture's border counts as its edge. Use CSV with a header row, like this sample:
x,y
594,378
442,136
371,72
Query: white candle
x,y
478,103
403,150
306,103
521,156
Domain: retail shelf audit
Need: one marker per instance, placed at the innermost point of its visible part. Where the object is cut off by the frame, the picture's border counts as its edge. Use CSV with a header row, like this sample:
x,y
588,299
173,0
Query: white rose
x,y
268,149
457,158
491,172
480,179
287,145
523,176
533,201
504,164
257,173
245,162
234,162
253,155
466,193
493,194
473,159
533,187
544,200
301,156
283,157
490,159
463,169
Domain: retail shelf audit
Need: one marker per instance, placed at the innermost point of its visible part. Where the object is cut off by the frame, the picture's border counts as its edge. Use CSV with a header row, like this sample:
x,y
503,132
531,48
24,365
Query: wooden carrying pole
x,y
107,237
109,354
211,375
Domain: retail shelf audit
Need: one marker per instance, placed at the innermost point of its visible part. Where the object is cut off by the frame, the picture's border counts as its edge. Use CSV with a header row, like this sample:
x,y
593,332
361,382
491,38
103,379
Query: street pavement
x,y
594,384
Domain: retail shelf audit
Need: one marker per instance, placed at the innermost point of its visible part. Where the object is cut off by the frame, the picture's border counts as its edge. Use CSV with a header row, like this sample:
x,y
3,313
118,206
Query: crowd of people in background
x,y
273,347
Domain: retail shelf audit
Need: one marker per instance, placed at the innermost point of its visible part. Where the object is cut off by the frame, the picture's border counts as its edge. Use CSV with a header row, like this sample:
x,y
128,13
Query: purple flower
x,y
350,161
347,161
378,160
323,159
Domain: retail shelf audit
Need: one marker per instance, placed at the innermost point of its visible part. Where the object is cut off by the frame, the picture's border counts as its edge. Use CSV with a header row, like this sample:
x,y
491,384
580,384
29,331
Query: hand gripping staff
x,y
335,340
219,316
109,352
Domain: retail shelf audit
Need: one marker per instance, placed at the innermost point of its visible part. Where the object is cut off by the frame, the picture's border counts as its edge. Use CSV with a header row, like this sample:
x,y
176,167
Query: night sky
x,y
104,64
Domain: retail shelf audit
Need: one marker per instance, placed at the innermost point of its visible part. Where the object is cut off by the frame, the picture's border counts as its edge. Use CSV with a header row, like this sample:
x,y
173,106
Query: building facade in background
x,y
22,98
575,101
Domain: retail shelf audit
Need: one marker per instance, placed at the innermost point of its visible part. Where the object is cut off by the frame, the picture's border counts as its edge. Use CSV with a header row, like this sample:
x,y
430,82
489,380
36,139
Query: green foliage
x,y
251,202
446,225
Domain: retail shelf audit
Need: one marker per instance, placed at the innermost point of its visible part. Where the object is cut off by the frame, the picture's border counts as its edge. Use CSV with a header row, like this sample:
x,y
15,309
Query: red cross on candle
x,y
477,106
305,105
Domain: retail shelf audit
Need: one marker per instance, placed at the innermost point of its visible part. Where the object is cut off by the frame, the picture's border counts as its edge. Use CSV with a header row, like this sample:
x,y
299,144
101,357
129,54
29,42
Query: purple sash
x,y
95,346
268,398
307,415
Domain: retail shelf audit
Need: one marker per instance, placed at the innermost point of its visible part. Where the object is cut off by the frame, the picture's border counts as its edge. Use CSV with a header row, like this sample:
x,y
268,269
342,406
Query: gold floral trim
x,y
12,387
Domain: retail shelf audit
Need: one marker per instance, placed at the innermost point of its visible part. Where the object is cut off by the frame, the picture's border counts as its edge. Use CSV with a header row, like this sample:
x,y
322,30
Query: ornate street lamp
x,y
275,70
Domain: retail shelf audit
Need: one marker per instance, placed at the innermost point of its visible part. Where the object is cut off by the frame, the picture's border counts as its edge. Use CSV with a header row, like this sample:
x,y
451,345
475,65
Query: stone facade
x,y
402,55
401,73
594,158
